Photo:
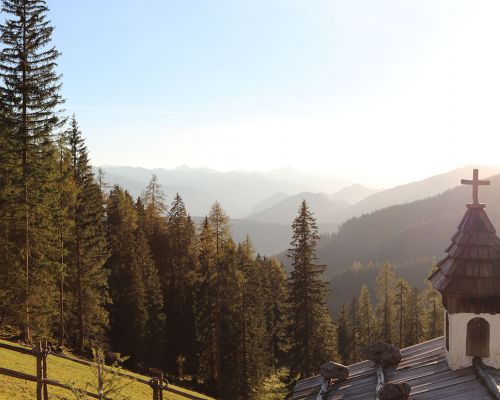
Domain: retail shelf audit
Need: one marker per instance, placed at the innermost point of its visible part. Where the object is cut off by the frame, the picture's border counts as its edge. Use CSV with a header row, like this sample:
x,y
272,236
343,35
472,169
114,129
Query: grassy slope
x,y
64,371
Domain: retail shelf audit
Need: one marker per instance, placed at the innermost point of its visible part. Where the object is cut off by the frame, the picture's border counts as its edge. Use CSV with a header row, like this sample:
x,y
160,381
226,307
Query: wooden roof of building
x,y
423,366
471,267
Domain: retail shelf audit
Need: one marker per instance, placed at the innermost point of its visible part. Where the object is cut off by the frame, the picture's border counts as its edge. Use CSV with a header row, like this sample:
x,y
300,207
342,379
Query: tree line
x,y
402,315
90,266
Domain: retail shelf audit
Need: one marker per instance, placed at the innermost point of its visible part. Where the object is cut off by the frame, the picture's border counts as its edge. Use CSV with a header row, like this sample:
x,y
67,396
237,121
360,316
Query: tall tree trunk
x,y
81,337
24,134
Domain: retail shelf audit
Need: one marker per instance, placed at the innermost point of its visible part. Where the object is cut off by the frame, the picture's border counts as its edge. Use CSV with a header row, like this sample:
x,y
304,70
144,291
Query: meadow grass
x,y
67,372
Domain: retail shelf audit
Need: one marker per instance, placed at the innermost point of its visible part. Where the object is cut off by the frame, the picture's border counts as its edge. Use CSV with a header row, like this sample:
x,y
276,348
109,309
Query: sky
x,y
378,92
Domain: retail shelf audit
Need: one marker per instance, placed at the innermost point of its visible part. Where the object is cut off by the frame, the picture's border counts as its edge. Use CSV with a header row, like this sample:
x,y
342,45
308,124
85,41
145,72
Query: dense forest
x,y
87,265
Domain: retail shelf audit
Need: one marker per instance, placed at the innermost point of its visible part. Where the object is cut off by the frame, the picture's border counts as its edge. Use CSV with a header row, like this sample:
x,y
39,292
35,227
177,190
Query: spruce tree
x,y
433,312
180,262
253,360
401,308
66,189
220,224
135,312
343,339
415,329
385,297
87,276
9,266
311,329
153,223
205,305
275,297
30,97
354,330
366,316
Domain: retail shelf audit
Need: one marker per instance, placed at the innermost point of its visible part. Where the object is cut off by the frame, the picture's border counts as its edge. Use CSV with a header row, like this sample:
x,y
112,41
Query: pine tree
x,y
153,222
30,96
135,293
205,304
311,329
415,332
275,297
402,293
385,296
9,270
353,325
252,363
66,189
180,263
343,339
221,235
87,277
152,208
433,312
366,316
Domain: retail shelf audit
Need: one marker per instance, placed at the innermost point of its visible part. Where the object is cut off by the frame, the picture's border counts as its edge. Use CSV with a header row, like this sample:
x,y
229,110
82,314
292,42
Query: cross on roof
x,y
475,182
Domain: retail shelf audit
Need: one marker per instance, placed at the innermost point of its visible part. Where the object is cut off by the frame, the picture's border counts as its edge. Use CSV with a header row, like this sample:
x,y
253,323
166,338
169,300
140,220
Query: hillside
x,y
409,235
269,202
285,211
353,193
412,191
70,373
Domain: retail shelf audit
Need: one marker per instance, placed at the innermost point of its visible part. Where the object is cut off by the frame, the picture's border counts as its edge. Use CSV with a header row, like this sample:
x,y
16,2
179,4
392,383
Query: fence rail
x,y
41,352
50,382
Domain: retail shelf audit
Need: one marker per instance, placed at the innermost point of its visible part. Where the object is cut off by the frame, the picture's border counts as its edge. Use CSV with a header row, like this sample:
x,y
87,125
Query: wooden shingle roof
x,y
472,265
423,366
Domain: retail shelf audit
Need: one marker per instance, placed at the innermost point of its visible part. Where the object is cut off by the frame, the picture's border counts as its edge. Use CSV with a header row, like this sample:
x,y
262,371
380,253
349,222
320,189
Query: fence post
x,y
45,353
153,383
99,375
158,384
39,370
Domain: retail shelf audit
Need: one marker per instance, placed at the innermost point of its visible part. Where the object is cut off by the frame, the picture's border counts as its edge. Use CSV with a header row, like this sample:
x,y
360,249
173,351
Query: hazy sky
x,y
380,92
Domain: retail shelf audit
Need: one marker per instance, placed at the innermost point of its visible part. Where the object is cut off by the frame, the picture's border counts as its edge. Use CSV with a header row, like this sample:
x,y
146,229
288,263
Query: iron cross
x,y
475,182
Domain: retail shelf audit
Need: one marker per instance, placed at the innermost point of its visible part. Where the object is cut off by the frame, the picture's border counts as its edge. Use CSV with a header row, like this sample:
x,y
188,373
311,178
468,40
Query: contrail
x,y
158,112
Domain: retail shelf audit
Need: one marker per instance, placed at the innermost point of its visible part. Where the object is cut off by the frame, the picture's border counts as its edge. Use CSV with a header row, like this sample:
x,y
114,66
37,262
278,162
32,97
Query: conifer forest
x,y
87,265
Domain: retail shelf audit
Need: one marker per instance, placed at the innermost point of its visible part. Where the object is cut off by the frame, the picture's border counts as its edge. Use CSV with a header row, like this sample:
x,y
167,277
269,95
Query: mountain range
x,y
263,205
238,191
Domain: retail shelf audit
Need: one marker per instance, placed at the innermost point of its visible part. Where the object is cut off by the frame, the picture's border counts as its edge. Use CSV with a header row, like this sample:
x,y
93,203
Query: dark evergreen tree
x,y
66,189
415,332
275,297
219,222
310,321
366,318
180,262
29,98
354,327
385,297
87,276
205,305
9,259
136,309
433,313
402,292
343,340
153,223
252,345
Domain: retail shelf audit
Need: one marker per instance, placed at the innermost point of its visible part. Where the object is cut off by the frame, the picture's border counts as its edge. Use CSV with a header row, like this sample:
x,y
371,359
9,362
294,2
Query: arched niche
x,y
478,338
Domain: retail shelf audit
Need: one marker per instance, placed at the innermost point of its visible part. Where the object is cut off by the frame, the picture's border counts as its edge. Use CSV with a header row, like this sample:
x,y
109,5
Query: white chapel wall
x,y
457,358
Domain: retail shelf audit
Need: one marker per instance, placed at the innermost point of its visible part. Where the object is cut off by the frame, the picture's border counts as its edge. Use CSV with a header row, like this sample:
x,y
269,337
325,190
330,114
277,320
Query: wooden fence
x,y
41,351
